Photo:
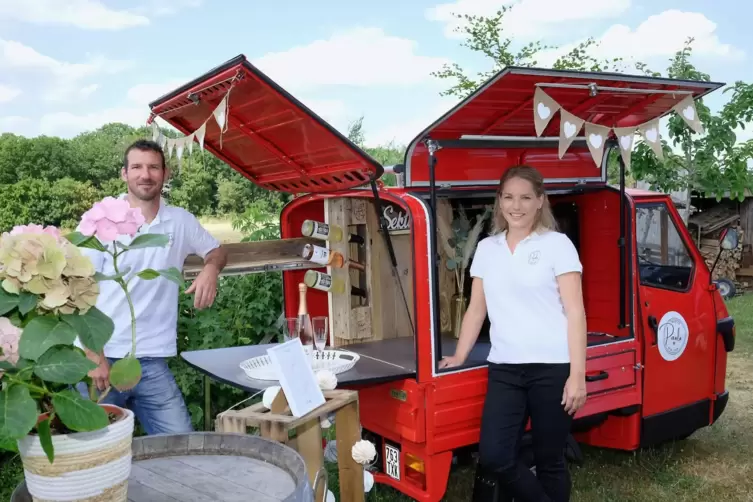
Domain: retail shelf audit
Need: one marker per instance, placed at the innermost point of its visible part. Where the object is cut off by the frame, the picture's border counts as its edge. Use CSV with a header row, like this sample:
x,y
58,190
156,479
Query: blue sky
x,y
68,66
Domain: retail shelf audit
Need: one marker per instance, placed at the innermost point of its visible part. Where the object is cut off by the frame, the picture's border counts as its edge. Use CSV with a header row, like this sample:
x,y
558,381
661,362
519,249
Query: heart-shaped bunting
x,y
570,126
625,137
596,138
687,111
544,108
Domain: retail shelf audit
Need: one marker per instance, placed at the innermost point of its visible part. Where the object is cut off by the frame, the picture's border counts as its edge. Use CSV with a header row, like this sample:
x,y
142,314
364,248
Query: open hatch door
x,y
271,138
494,127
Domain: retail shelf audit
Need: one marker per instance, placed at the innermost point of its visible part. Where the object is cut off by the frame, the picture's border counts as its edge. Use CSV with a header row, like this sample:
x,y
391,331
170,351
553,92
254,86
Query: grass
x,y
221,229
716,463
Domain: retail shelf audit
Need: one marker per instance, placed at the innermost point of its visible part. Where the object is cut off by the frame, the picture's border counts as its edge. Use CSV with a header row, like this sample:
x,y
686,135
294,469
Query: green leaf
x,y
27,301
99,277
41,334
7,301
83,241
18,412
63,365
125,373
6,365
8,444
45,437
171,273
77,413
94,328
147,241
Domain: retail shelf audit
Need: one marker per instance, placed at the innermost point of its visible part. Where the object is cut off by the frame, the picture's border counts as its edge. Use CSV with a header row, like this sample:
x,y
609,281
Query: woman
x,y
527,276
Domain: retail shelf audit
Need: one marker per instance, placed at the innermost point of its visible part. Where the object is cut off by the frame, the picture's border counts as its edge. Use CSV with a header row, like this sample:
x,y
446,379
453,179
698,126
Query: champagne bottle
x,y
325,232
325,282
324,256
305,328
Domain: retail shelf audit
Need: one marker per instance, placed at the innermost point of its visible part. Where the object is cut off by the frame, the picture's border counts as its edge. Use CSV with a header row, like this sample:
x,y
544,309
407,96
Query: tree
x,y
714,163
486,35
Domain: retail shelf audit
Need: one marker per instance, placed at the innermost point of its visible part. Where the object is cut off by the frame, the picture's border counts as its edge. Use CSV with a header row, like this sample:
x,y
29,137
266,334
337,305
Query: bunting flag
x,y
686,109
570,126
596,138
544,108
596,135
180,144
625,140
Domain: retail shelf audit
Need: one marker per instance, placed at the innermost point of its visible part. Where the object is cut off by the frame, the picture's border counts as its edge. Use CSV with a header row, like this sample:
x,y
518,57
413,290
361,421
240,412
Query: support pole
x,y
433,147
622,243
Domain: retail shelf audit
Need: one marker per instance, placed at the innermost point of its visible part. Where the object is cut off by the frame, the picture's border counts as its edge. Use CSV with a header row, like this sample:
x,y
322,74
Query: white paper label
x,y
320,255
321,230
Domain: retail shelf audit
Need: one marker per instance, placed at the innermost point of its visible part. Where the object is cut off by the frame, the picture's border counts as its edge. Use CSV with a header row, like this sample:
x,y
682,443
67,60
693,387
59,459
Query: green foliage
x,y
714,163
486,35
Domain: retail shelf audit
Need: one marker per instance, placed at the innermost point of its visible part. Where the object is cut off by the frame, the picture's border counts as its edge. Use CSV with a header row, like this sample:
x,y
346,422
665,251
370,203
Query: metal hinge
x,y
638,367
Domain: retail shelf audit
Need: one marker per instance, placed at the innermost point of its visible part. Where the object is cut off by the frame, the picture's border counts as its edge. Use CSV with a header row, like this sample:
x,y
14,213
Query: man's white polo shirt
x,y
155,301
528,323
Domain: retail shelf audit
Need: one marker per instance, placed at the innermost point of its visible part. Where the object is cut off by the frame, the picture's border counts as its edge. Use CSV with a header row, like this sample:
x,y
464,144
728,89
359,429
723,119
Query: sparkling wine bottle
x,y
326,232
325,282
305,328
324,256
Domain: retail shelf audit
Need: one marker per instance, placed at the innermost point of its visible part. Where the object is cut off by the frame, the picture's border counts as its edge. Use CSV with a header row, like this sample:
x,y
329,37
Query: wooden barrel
x,y
209,466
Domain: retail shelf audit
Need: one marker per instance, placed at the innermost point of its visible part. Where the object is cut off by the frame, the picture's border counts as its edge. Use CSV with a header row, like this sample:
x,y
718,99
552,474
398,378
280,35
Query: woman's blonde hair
x,y
544,216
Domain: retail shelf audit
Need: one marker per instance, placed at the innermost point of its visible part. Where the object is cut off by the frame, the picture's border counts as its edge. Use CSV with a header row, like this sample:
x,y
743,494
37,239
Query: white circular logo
x,y
533,258
672,336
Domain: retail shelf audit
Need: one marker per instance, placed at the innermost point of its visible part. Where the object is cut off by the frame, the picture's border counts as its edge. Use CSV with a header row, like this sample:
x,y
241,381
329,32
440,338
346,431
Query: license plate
x,y
392,461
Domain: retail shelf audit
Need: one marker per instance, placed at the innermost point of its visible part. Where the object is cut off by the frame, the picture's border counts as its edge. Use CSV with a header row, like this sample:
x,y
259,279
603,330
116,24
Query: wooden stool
x,y
277,422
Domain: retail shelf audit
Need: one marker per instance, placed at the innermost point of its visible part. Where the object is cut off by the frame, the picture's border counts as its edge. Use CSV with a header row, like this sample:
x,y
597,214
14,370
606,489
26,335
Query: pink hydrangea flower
x,y
36,229
9,336
111,217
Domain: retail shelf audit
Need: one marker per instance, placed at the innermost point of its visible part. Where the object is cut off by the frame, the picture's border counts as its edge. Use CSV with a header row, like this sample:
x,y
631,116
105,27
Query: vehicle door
x,y
676,311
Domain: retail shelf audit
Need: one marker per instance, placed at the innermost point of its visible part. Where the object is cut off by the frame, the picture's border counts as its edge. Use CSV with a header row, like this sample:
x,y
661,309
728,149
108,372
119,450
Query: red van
x,y
659,331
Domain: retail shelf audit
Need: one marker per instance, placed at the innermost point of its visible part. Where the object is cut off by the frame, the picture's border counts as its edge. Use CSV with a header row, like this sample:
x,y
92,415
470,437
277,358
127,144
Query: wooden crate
x,y
278,423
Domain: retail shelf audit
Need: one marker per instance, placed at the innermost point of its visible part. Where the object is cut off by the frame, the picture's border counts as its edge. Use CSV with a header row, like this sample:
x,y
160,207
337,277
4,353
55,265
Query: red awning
x,y
496,122
271,138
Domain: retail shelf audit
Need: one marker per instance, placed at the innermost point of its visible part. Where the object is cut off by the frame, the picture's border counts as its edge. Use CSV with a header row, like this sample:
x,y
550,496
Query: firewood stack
x,y
729,261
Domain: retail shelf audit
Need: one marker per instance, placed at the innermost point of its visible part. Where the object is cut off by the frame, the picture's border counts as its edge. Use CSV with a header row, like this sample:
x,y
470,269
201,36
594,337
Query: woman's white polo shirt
x,y
528,322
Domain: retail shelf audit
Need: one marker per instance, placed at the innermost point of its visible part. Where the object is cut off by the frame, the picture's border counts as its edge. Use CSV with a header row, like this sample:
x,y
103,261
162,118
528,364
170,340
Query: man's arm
x,y
203,244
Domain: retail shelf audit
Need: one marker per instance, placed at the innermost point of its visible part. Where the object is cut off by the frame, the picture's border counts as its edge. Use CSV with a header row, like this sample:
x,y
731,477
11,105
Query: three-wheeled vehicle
x,y
658,330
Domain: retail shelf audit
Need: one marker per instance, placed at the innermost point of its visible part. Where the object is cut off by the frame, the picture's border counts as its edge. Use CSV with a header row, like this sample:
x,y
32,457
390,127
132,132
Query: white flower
x,y
368,481
326,379
363,452
269,396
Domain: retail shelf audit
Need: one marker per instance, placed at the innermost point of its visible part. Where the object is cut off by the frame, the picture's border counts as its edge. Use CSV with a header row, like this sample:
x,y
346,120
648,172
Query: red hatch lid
x,y
271,138
493,128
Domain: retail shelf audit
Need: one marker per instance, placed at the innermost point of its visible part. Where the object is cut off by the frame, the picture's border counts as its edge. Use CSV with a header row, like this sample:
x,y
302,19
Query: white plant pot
x,y
88,466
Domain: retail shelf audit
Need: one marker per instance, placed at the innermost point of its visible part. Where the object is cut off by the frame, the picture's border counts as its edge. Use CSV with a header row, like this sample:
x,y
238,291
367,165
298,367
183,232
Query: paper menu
x,y
296,377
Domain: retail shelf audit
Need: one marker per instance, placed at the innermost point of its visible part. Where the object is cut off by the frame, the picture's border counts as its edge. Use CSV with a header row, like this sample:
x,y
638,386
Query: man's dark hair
x,y
144,145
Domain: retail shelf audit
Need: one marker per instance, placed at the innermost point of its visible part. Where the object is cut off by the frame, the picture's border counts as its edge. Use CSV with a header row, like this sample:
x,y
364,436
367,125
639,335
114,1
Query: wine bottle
x,y
325,282
305,328
324,256
326,232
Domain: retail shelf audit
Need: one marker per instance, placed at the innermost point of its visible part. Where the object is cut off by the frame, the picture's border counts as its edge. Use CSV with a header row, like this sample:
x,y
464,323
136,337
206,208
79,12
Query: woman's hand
x,y
451,361
574,395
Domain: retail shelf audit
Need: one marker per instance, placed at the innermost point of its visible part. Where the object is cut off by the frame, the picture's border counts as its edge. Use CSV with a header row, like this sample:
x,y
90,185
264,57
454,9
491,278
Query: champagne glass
x,y
320,331
290,329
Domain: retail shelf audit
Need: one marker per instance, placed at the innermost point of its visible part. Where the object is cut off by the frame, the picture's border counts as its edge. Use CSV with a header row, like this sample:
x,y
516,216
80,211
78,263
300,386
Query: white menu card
x,y
296,377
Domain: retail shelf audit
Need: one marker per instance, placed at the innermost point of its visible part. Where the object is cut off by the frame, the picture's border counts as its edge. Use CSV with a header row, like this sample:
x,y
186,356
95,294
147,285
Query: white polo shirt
x,y
155,301
528,323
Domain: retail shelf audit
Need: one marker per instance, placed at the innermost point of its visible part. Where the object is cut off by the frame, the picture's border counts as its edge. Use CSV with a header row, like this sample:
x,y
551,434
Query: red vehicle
x,y
659,332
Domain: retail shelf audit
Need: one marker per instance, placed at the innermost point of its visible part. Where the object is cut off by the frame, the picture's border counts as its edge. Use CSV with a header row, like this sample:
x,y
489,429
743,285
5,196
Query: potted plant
x,y
72,447
459,240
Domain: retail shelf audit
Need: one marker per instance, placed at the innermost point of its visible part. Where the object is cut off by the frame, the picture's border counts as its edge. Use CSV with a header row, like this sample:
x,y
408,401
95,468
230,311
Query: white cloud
x,y
526,18
67,79
14,124
67,124
8,93
86,14
660,35
404,131
357,57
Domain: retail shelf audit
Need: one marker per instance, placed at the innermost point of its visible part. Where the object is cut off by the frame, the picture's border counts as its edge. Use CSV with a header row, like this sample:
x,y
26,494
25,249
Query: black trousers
x,y
517,392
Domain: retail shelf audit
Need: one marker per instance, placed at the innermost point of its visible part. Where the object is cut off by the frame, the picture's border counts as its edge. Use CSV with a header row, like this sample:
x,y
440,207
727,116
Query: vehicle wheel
x,y
726,288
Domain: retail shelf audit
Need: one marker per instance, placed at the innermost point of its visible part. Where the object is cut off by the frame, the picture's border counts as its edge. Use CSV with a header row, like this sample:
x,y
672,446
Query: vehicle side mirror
x,y
728,239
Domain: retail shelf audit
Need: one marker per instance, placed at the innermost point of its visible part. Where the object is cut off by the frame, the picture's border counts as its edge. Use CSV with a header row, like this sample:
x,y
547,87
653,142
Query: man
x,y
156,400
